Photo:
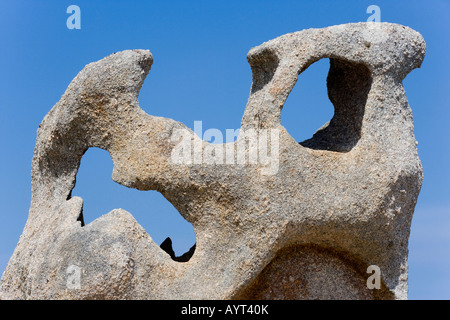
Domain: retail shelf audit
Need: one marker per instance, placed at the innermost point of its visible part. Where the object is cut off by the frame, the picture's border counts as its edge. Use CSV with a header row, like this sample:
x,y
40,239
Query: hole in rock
x,y
308,107
328,89
151,210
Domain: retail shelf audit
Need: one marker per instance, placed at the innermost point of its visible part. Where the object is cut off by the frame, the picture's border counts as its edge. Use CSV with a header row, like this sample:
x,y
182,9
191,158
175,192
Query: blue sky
x,y
200,72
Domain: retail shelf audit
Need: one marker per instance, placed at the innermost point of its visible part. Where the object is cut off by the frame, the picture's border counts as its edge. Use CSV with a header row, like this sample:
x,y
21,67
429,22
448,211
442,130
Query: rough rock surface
x,y
336,203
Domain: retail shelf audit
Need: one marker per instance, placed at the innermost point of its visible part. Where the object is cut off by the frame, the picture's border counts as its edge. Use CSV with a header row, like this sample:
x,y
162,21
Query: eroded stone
x,y
343,199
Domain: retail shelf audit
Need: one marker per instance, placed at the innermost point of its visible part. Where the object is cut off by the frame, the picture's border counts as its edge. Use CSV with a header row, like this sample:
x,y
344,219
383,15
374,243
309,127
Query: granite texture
x,y
306,227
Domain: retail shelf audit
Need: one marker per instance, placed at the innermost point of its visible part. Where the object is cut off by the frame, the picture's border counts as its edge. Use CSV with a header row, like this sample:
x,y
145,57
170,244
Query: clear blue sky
x,y
200,72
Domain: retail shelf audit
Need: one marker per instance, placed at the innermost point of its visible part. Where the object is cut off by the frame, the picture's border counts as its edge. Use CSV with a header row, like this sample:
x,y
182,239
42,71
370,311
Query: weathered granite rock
x,y
305,225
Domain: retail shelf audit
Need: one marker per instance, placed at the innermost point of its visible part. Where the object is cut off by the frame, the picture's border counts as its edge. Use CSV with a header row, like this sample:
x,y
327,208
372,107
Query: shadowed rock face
x,y
304,226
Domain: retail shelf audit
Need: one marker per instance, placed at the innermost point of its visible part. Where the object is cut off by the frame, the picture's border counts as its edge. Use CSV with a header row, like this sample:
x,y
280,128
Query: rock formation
x,y
305,225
